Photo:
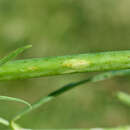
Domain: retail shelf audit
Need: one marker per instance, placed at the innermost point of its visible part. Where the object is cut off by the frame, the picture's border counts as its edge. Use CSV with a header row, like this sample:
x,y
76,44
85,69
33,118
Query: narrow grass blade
x,y
70,86
124,98
14,54
4,121
5,98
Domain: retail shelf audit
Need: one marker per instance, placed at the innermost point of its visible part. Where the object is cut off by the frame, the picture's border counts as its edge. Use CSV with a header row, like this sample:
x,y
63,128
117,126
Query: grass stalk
x,y
38,67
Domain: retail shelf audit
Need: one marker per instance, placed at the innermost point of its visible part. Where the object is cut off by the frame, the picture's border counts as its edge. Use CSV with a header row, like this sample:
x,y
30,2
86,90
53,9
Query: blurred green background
x,y
63,27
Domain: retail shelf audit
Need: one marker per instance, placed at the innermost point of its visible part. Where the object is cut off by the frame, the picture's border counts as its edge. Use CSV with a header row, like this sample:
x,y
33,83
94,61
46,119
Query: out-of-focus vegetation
x,y
65,27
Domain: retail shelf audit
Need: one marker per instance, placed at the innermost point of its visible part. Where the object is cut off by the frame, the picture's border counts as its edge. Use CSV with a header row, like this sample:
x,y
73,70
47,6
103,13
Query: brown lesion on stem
x,y
76,63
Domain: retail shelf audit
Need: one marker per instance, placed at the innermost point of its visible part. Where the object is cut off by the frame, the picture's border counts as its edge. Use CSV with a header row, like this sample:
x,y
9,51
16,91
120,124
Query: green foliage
x,y
74,63
66,27
6,98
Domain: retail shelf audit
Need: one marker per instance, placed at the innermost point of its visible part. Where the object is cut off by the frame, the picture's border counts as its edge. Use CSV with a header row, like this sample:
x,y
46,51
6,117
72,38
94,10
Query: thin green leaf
x,y
124,98
4,121
70,86
14,54
5,98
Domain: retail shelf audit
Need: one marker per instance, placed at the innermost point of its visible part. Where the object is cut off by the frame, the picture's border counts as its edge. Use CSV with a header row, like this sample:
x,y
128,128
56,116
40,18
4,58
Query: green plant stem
x,y
68,87
38,67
